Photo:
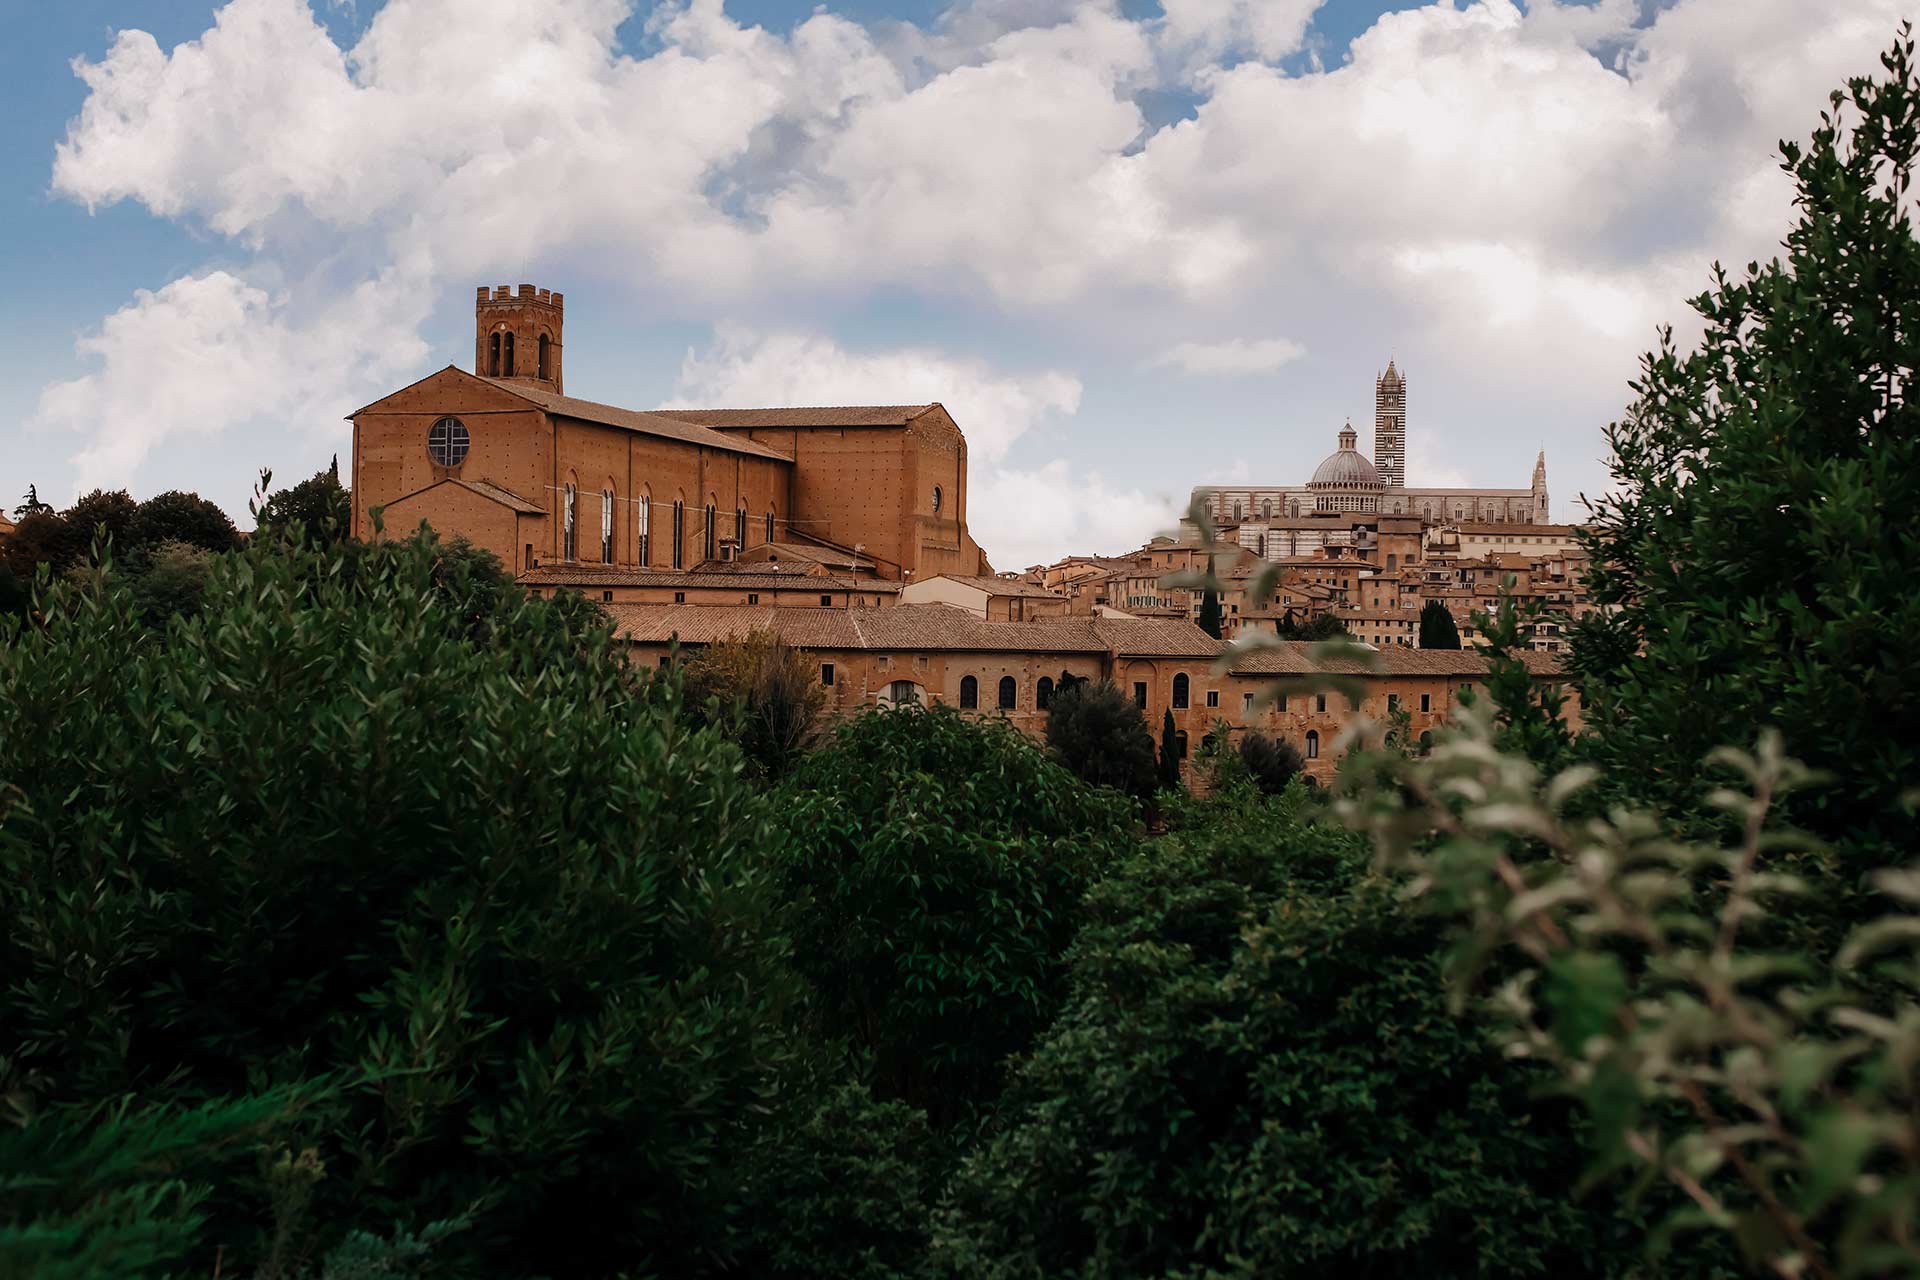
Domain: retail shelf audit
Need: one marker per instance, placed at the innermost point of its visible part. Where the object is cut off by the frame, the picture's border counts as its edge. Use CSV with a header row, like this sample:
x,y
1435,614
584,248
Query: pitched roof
x,y
1292,657
1512,526
671,427
911,626
999,586
503,496
857,415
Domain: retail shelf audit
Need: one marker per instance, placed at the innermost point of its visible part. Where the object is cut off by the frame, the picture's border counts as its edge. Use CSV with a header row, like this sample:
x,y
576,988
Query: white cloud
x,y
207,354
1517,195
1236,355
1018,515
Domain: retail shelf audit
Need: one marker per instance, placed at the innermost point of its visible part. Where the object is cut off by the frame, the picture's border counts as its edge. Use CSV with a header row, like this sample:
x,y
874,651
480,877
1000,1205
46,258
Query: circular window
x,y
447,442
936,497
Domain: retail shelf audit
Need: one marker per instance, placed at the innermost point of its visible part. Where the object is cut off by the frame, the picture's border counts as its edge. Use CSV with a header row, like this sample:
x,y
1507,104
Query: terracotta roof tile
x,y
654,424
1000,586
858,415
1291,657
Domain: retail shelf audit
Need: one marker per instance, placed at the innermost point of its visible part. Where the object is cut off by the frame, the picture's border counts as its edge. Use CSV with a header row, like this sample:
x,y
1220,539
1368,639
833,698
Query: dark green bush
x,y
1271,763
1097,731
935,865
1257,1075
375,818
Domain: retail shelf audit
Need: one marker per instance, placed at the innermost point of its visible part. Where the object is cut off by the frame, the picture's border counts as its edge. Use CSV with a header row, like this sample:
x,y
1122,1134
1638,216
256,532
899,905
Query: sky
x,y
1132,245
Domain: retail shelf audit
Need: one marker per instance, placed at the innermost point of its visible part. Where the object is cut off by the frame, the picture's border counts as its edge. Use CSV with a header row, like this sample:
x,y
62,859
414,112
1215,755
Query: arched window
x,y
1043,693
546,358
1263,546
1313,744
1180,691
506,356
606,526
969,693
569,538
739,528
1266,509
769,524
679,533
904,693
643,527
493,355
1236,509
709,540
936,499
1009,693
1426,742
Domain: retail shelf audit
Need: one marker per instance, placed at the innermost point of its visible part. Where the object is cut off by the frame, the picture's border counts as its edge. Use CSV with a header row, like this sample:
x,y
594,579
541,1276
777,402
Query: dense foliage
x,y
1098,732
763,692
320,508
935,866
381,821
1256,1075
1270,763
1437,628
1752,554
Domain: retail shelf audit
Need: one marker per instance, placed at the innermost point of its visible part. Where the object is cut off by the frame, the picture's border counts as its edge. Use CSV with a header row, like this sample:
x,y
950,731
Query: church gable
x,y
449,391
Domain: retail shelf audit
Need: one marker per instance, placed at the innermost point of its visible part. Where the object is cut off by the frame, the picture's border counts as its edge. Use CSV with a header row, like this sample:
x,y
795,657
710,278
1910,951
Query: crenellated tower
x,y
1390,427
516,335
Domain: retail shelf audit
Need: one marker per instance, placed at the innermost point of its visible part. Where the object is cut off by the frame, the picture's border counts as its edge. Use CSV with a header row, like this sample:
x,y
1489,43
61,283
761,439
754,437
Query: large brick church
x,y
505,458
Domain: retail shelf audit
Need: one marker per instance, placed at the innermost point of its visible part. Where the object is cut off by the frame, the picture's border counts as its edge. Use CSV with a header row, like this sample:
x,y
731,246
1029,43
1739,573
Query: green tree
x,y
375,816
1751,553
1099,733
1169,753
188,518
1256,1075
1271,763
1320,627
1210,605
171,583
319,506
936,863
1437,629
766,694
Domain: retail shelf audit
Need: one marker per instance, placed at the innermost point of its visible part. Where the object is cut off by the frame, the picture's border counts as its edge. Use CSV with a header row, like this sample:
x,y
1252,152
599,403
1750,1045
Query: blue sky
x,y
1134,248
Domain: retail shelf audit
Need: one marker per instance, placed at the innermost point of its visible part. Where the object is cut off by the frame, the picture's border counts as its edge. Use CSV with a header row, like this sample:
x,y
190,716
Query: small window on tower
x,y
546,365
936,497
506,356
447,442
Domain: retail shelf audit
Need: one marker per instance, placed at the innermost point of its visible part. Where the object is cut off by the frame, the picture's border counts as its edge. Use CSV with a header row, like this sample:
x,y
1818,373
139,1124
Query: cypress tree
x,y
1437,630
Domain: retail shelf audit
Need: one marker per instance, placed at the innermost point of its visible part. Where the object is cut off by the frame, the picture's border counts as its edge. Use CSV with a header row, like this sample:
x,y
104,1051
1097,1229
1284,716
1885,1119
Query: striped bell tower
x,y
1390,427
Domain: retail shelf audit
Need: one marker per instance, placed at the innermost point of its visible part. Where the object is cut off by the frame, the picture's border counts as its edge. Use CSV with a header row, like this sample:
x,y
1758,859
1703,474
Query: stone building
x,y
1348,483
504,457
928,654
994,599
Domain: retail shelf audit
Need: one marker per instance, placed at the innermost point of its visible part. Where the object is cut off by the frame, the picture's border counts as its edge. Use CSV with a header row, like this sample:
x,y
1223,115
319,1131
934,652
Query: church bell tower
x,y
1390,427
516,335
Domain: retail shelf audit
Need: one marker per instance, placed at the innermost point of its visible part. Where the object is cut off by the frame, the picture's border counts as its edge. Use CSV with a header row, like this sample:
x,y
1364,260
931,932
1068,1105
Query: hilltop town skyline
x,y
1157,247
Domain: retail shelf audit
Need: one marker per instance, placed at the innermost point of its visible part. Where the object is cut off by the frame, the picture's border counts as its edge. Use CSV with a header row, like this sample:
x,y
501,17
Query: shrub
x,y
319,507
936,862
1098,732
844,1195
1271,762
187,518
172,583
374,816
1256,1075
768,696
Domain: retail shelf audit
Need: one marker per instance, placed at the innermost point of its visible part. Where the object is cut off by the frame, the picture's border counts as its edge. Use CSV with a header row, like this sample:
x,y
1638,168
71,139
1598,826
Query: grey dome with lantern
x,y
1346,466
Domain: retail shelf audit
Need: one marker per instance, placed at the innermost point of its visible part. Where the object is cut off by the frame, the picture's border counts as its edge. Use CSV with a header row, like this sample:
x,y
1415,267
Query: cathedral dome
x,y
1346,467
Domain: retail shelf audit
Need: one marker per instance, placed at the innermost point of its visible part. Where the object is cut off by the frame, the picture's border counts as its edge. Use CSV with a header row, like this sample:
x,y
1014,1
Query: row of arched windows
x,y
643,527
1007,695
